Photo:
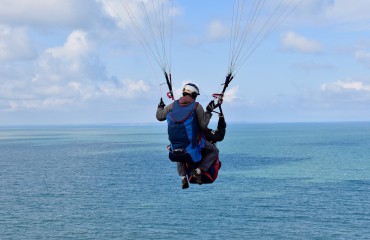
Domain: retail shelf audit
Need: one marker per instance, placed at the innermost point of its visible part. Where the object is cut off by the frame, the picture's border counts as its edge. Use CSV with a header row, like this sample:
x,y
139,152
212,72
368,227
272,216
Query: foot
x,y
197,176
185,183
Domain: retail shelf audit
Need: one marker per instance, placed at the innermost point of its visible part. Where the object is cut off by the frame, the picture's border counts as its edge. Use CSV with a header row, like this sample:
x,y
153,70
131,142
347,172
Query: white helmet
x,y
191,89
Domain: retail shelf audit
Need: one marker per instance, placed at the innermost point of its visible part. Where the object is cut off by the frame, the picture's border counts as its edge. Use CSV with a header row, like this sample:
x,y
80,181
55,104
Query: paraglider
x,y
252,22
187,124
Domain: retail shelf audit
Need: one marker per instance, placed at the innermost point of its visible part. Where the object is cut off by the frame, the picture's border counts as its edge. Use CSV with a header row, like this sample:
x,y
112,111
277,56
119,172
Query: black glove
x,y
161,104
211,106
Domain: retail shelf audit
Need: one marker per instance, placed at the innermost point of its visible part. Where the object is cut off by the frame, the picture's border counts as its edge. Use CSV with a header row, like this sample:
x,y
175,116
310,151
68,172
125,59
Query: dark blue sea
x,y
277,181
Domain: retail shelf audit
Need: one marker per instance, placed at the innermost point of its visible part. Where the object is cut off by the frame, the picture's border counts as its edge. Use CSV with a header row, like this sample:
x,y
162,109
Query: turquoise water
x,y
277,181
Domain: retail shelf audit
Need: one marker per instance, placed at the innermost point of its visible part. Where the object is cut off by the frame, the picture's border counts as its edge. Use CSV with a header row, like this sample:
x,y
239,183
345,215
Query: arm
x,y
219,134
162,112
203,117
221,129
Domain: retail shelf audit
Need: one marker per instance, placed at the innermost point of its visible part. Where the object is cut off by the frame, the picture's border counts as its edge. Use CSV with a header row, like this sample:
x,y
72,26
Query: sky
x,y
80,62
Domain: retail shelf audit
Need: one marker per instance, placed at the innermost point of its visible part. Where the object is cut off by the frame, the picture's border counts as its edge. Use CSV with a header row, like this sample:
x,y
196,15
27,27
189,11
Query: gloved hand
x,y
161,104
211,106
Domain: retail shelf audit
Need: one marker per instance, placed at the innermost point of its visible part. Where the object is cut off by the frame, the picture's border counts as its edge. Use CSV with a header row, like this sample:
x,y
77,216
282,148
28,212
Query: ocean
x,y
277,181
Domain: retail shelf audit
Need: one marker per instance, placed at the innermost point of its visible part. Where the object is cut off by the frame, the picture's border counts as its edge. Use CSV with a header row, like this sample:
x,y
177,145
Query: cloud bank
x,y
295,42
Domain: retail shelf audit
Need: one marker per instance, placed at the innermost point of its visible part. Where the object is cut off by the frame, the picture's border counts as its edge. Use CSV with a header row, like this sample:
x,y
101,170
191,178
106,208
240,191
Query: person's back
x,y
183,132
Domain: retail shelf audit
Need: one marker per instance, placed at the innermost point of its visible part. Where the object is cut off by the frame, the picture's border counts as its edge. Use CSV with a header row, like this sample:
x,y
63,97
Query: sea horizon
x,y
156,123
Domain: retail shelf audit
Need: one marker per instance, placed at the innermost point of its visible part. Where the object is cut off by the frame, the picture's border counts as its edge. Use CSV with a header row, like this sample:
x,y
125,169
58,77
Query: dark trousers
x,y
209,156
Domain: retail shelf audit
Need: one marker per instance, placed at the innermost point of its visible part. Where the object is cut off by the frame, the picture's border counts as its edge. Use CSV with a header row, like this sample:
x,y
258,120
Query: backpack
x,y
184,133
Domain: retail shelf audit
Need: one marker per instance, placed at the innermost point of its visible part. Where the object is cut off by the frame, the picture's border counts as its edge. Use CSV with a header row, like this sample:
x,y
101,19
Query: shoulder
x,y
199,106
167,108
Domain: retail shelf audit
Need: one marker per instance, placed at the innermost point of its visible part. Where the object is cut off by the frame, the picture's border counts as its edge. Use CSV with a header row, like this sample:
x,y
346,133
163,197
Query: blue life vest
x,y
184,133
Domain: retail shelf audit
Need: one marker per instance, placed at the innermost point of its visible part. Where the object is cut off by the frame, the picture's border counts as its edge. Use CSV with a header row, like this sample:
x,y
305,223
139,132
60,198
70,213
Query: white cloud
x,y
231,94
125,89
73,61
15,44
49,13
295,42
117,11
348,98
341,14
136,86
70,74
217,30
348,85
127,12
344,10
76,46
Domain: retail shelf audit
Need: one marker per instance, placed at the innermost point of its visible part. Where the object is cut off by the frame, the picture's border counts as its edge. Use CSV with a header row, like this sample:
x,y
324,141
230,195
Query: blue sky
x,y
78,62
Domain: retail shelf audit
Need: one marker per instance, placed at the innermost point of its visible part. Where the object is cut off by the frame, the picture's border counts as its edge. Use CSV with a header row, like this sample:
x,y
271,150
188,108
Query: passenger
x,y
216,135
210,164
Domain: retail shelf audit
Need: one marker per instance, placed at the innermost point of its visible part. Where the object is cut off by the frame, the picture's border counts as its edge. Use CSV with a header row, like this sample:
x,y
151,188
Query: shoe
x,y
185,183
197,177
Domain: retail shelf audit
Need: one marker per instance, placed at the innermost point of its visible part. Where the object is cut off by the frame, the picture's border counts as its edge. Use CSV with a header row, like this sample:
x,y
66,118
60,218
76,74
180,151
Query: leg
x,y
182,173
181,169
211,152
